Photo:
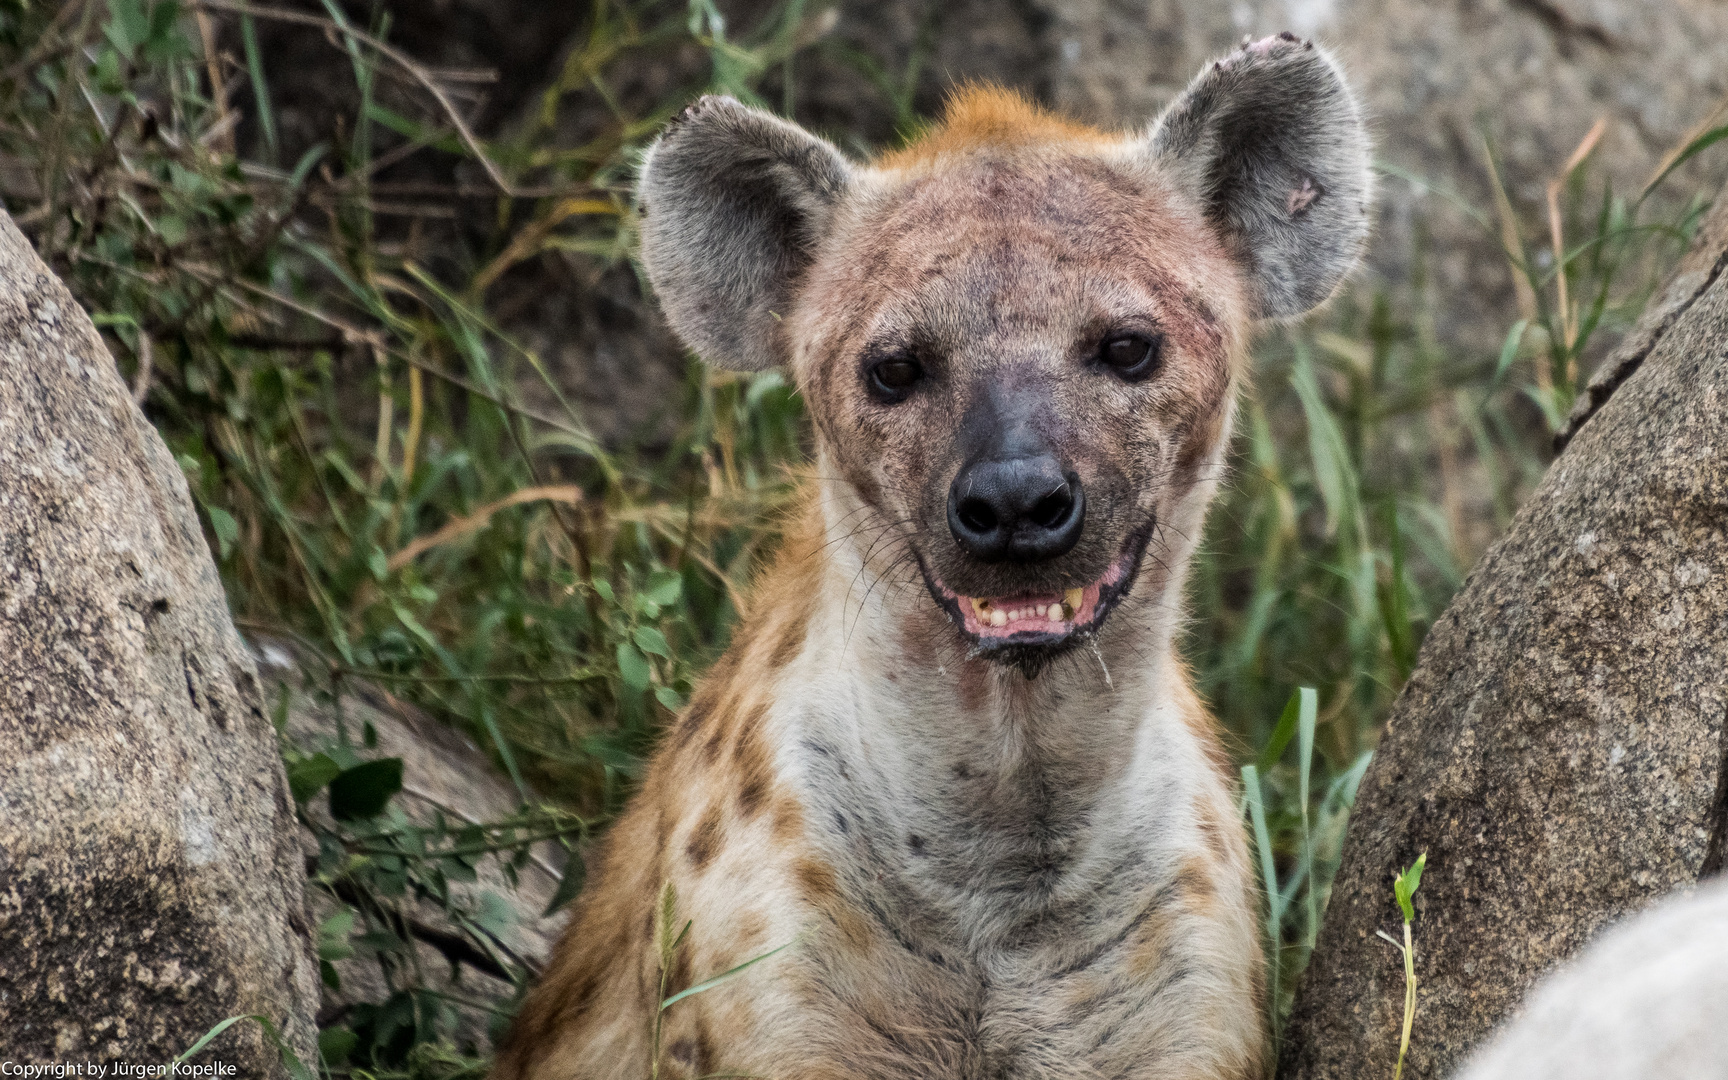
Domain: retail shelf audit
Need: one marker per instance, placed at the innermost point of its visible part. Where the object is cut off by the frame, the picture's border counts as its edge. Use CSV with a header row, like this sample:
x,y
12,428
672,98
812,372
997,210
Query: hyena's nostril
x,y
1053,509
977,515
1024,509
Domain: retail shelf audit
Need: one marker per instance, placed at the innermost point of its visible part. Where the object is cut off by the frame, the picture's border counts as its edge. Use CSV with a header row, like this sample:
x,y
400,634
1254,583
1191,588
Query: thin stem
x,y
1409,952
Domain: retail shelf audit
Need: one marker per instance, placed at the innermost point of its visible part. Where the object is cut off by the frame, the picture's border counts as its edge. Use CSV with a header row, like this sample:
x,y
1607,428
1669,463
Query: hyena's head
x,y
1019,338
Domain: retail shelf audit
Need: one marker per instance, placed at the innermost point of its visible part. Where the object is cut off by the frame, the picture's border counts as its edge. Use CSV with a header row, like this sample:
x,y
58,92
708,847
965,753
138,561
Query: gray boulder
x,y
1561,750
150,874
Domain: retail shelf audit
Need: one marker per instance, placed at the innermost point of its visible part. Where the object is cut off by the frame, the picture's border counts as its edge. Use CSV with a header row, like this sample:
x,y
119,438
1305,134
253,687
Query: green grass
x,y
351,423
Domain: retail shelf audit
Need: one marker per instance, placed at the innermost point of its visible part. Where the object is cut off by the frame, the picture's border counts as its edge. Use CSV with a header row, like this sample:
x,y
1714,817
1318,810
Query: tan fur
x,y
986,875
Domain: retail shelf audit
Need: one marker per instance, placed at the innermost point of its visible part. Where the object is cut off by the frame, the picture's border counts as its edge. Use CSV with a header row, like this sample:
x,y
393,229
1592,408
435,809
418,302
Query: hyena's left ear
x,y
1271,141
733,202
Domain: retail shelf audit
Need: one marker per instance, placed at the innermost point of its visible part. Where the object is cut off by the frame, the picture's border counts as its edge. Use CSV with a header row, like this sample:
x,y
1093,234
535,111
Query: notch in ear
x,y
1271,142
733,203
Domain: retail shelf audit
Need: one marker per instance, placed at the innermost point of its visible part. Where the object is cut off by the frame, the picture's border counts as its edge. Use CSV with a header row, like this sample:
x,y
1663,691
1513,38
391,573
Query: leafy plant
x,y
1404,888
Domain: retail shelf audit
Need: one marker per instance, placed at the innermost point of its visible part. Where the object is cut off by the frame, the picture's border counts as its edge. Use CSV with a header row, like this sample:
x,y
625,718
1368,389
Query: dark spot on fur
x,y
690,722
791,638
750,757
751,797
685,1053
916,843
704,838
589,985
815,880
1195,884
788,818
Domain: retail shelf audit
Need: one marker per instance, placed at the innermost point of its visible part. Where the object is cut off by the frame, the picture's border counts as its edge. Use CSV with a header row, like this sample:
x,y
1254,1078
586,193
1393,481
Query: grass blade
x,y
709,984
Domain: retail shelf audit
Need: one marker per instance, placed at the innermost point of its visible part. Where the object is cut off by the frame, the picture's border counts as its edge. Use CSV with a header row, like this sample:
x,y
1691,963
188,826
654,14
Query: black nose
x,y
1024,509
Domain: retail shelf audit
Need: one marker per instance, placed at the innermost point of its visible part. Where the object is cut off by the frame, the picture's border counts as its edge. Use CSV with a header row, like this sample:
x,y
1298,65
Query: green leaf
x,y
335,1044
296,1068
378,564
1308,713
333,936
664,587
650,640
308,776
633,666
407,128
1333,473
128,26
575,873
216,1032
364,790
1282,733
1263,842
458,870
1404,887
1702,142
1509,351
227,530
495,915
260,88
669,698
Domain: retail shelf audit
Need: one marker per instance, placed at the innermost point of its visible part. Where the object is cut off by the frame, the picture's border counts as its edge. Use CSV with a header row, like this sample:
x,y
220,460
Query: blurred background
x,y
369,269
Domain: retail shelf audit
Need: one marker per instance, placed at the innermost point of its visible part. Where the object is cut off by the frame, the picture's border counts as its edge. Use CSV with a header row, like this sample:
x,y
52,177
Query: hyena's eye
x,y
892,379
1132,357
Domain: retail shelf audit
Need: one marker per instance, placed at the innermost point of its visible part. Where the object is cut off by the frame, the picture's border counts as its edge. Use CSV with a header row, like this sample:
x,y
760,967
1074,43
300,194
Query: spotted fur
x,y
990,871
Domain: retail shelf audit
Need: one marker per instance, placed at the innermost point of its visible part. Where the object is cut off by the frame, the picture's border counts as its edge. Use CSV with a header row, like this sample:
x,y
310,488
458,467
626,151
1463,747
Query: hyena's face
x,y
1022,366
1017,337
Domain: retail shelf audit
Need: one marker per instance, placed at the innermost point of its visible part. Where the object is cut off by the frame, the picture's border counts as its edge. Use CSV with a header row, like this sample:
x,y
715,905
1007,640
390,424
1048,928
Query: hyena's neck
x,y
950,771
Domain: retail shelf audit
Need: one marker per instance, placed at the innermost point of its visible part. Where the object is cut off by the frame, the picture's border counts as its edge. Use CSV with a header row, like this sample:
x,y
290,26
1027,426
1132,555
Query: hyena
x,y
952,753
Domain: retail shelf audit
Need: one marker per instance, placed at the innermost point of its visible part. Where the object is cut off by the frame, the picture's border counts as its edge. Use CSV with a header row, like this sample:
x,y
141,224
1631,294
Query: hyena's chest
x,y
1007,934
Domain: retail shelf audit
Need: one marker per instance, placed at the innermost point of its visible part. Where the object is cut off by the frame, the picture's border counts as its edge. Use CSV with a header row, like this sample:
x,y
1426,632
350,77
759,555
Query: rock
x,y
1561,750
150,877
1697,269
1647,999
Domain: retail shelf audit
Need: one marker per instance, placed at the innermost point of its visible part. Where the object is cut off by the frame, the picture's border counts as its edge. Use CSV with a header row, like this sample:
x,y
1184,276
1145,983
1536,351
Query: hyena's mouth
x,y
1019,628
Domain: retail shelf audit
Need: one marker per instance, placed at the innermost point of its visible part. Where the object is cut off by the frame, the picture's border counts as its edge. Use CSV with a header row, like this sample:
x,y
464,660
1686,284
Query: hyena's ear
x,y
733,202
1271,141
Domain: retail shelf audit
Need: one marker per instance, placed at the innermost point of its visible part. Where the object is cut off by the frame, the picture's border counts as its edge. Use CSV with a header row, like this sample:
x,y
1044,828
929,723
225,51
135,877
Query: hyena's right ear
x,y
733,202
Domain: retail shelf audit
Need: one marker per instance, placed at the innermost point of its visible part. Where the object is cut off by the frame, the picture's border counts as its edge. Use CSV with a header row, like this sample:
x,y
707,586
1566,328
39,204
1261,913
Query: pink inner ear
x,y
1301,198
